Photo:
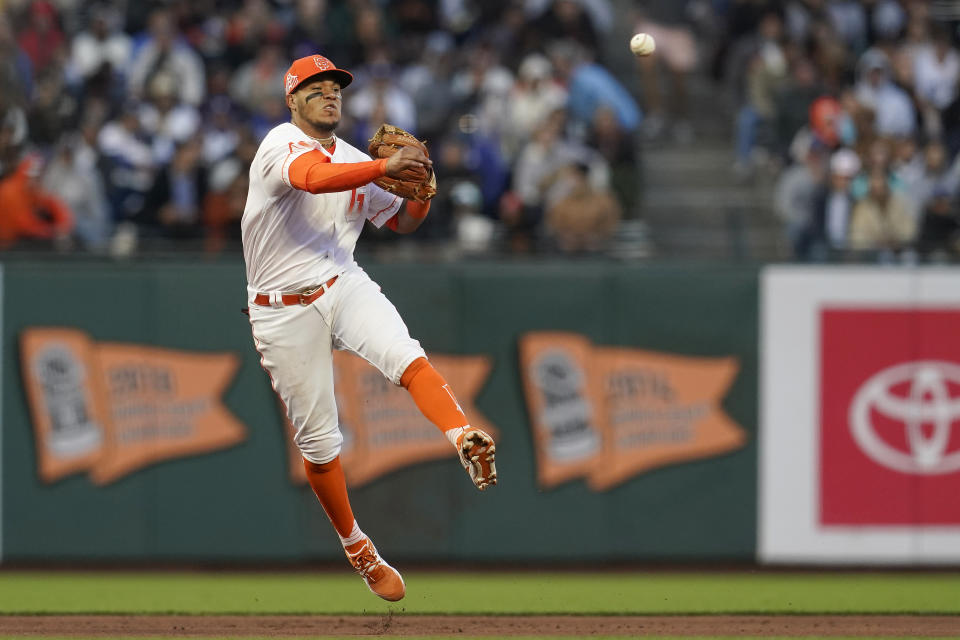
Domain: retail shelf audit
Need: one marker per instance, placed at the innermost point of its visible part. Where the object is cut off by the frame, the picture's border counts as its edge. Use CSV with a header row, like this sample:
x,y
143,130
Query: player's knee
x,y
320,449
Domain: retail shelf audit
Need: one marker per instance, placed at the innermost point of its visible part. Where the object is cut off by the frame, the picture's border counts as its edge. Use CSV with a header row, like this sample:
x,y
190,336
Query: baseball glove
x,y
413,184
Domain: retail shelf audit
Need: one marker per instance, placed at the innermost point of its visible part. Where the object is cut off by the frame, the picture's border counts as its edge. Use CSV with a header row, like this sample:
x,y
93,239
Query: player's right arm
x,y
312,170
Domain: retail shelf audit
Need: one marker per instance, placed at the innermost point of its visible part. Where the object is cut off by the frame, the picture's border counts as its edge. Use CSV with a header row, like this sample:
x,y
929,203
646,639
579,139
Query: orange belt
x,y
290,299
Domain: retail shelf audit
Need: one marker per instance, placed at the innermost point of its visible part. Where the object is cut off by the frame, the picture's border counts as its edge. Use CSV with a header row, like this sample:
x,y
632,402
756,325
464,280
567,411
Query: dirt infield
x,y
496,626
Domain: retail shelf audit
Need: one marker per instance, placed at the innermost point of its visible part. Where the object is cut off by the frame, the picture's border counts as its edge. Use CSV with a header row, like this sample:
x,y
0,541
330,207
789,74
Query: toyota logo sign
x,y
914,394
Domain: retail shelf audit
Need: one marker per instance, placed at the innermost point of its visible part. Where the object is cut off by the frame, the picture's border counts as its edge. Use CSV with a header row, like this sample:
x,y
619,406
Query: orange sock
x,y
432,395
330,486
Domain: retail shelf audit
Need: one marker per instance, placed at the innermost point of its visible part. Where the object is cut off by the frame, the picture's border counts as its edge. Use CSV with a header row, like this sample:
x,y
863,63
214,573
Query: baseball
x,y
642,44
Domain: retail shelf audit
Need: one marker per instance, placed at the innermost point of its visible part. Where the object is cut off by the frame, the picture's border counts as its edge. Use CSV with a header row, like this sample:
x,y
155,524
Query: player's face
x,y
319,102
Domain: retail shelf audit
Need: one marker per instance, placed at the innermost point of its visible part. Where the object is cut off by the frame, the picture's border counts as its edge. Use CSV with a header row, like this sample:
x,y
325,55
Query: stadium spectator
x,y
380,99
800,16
257,85
837,205
310,28
369,33
484,160
564,20
766,72
893,109
41,39
483,88
583,219
877,159
73,175
16,70
128,162
536,178
222,125
166,52
617,148
936,70
538,162
887,19
849,19
428,81
534,96
53,111
591,86
100,55
881,221
165,119
792,103
798,197
509,32
473,232
939,237
246,29
174,206
927,173
13,134
223,205
227,192
28,212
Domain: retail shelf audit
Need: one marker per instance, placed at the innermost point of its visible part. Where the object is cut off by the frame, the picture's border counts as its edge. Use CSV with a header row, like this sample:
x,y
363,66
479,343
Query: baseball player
x,y
310,194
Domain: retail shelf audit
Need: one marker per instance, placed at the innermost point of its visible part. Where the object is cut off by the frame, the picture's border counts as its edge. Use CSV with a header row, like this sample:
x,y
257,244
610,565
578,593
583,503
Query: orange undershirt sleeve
x,y
418,210
314,172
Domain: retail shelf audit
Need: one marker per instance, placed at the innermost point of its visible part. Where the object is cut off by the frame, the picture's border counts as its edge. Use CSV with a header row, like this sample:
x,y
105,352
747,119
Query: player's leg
x,y
295,349
369,325
329,485
435,399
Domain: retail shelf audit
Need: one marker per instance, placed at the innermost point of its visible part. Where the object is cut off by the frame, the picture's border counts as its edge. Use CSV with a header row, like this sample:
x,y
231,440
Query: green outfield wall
x,y
238,502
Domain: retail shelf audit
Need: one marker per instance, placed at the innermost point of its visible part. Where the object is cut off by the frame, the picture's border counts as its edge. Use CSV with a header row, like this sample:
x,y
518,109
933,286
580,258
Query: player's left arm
x,y
410,217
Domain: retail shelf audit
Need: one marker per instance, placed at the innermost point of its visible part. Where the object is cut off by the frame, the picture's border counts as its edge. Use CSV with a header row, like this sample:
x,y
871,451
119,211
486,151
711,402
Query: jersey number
x,y
356,201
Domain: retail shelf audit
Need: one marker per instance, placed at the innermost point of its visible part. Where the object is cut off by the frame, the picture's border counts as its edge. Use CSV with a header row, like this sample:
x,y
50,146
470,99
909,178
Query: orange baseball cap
x,y
305,68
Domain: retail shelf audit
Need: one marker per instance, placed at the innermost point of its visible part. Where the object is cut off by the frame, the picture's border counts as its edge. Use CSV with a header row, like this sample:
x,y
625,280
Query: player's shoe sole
x,y
477,453
382,579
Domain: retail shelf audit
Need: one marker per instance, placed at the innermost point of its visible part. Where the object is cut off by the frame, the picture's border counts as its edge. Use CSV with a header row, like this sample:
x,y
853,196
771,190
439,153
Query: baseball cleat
x,y
381,578
477,451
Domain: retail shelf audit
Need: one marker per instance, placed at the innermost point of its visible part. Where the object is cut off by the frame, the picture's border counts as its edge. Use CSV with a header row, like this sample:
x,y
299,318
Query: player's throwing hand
x,y
408,159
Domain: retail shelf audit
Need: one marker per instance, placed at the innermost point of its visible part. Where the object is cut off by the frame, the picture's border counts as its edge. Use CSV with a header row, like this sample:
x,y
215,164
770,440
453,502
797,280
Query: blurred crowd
x,y
130,122
855,104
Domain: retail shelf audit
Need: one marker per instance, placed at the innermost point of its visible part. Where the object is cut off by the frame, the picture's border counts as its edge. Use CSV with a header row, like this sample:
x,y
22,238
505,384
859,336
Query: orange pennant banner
x,y
63,385
562,392
607,414
661,409
383,430
111,409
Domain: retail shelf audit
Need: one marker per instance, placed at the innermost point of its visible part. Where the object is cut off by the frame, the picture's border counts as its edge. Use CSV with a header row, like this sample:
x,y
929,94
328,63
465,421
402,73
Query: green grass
x,y
461,637
483,593
457,637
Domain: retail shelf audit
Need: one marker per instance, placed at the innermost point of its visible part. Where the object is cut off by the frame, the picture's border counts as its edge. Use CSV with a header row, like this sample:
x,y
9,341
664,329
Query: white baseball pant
x,y
296,348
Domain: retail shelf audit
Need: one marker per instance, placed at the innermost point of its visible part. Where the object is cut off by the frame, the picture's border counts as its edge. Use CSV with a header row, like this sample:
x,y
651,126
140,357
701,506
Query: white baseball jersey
x,y
293,239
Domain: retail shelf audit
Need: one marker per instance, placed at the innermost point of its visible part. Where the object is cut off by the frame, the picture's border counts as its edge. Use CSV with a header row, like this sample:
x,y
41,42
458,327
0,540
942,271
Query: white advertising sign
x,y
860,415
